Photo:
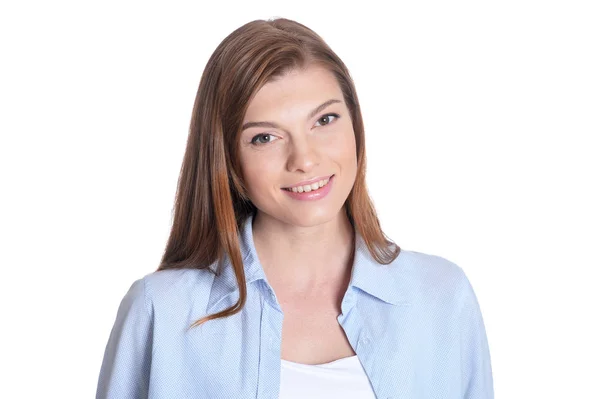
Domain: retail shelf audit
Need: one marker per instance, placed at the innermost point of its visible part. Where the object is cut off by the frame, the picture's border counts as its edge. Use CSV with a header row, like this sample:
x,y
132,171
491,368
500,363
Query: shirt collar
x,y
379,280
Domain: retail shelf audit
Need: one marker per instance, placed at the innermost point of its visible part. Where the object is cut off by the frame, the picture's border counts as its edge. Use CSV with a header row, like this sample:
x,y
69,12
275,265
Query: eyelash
x,y
254,139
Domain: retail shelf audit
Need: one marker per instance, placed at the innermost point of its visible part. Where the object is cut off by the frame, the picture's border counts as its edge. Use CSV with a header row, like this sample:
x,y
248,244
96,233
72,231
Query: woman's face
x,y
297,132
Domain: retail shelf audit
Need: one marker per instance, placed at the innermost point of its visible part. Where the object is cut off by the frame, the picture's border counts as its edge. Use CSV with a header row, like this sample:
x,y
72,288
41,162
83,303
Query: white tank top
x,y
342,378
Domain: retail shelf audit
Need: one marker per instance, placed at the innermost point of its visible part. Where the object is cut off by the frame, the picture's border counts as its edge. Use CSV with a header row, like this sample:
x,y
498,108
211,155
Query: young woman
x,y
277,281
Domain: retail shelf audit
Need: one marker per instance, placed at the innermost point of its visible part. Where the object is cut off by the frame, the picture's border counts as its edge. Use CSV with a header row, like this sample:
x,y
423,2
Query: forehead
x,y
294,94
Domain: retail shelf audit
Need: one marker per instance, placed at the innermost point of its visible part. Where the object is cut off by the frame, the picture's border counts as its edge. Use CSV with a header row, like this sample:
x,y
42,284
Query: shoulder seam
x,y
464,291
145,297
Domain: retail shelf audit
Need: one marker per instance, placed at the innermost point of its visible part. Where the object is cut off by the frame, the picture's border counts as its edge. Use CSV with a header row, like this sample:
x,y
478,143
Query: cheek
x,y
343,149
258,170
350,147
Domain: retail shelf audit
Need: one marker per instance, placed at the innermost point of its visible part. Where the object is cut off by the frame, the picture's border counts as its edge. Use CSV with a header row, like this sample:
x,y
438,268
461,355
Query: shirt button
x,y
273,344
365,341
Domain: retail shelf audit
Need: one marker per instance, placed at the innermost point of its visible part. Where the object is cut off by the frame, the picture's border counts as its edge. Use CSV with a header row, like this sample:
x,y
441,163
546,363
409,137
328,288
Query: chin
x,y
302,214
311,218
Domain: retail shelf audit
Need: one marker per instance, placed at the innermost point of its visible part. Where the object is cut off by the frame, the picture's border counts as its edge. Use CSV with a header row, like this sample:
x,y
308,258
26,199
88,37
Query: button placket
x,y
365,341
273,344
270,352
270,294
348,301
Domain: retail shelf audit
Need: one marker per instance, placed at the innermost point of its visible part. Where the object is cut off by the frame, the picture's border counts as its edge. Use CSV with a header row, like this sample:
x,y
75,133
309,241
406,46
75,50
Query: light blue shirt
x,y
415,325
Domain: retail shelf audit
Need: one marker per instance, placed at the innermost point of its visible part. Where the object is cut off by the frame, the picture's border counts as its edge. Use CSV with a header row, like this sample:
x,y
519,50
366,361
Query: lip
x,y
312,195
309,182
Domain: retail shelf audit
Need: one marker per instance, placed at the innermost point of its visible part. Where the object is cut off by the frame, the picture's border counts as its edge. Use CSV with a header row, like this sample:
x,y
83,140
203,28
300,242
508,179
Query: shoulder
x,y
425,276
178,288
427,266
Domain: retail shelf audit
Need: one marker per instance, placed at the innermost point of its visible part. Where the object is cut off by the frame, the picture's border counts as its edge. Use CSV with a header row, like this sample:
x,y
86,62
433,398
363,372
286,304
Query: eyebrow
x,y
276,126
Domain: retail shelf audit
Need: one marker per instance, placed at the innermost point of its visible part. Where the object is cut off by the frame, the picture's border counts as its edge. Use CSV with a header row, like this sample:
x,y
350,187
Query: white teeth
x,y
309,187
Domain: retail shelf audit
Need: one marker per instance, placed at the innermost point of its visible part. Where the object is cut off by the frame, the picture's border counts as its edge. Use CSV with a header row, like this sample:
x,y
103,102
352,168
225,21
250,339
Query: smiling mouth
x,y
309,187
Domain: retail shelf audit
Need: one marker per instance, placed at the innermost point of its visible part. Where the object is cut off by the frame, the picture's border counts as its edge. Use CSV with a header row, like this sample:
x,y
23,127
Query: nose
x,y
303,155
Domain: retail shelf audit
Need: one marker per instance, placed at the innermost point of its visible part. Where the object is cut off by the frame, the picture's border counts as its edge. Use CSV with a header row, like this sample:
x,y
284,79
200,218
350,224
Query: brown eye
x,y
325,119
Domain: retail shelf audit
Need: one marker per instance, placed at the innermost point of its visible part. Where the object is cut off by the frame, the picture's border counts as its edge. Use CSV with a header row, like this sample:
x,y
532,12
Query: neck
x,y
304,257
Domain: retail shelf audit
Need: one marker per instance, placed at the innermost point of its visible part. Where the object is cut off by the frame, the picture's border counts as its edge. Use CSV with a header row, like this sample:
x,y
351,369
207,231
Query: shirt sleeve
x,y
477,380
125,371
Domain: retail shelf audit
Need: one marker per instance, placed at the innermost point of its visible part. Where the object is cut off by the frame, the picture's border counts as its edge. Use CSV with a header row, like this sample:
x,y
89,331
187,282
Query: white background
x,y
482,122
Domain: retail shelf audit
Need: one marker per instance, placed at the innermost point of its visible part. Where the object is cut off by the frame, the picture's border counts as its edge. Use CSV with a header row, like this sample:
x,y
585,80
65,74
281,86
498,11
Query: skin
x,y
305,247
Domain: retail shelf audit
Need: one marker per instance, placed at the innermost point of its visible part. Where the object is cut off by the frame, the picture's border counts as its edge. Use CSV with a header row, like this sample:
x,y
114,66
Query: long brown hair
x,y
211,201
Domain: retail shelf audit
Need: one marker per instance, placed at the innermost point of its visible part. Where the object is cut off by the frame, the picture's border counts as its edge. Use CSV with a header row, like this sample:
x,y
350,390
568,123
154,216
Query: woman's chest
x,y
240,356
313,336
